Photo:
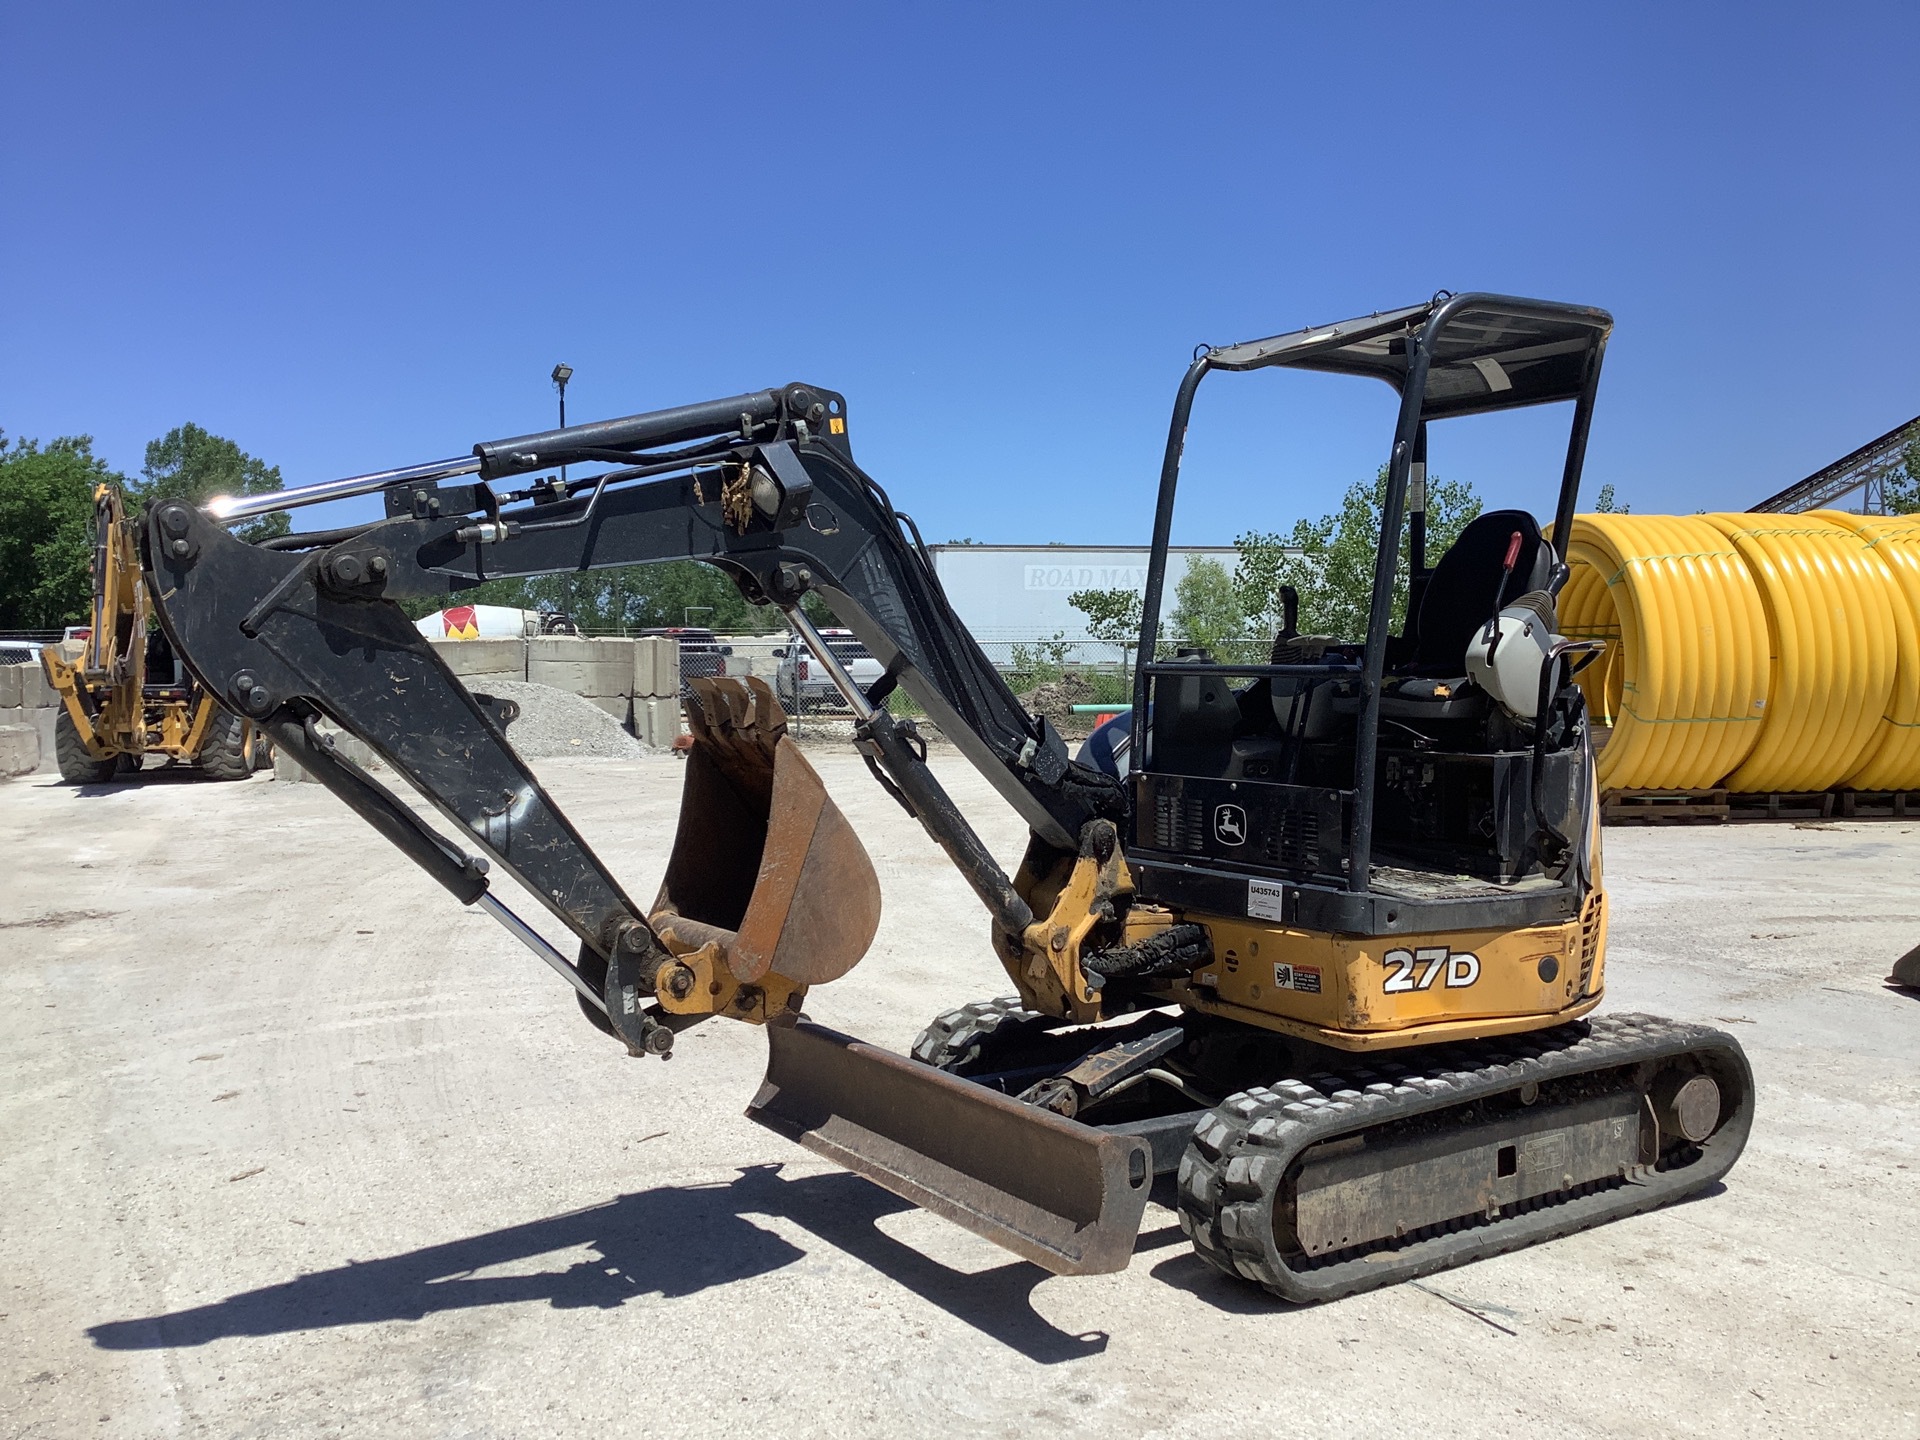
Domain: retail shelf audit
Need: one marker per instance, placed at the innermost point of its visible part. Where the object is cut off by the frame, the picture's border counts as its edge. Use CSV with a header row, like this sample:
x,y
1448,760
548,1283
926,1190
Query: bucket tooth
x,y
763,860
1064,1195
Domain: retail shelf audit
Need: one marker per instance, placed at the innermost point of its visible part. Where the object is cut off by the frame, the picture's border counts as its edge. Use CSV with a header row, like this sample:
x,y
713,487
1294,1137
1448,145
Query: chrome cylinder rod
x,y
848,687
535,942
243,507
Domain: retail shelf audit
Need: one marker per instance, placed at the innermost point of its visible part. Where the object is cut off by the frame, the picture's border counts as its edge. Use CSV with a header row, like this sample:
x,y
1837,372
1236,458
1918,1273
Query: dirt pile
x,y
1056,699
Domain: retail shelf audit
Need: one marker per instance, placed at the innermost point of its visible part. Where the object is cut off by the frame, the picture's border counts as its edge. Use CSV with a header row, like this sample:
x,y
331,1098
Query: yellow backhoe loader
x,y
1322,939
123,697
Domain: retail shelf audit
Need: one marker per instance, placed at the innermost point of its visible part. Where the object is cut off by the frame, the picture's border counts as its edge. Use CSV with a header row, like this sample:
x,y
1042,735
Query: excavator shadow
x,y
672,1242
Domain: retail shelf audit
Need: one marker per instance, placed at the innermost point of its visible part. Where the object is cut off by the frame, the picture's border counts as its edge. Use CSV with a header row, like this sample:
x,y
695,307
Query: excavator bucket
x,y
1064,1195
764,864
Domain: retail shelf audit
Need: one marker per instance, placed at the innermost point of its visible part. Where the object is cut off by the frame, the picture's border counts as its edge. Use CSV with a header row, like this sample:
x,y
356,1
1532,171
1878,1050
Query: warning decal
x,y
1304,978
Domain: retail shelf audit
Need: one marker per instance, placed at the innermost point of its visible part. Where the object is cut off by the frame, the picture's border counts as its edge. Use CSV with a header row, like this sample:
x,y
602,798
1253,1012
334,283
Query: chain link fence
x,y
1073,683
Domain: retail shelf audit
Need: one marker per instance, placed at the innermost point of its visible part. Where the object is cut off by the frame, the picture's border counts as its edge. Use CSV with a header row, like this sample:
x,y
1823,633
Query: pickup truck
x,y
802,682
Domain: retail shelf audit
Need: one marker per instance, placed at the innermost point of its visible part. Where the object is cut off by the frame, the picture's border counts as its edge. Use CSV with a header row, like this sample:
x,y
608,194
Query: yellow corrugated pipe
x,y
1891,760
1829,609
1762,652
1684,681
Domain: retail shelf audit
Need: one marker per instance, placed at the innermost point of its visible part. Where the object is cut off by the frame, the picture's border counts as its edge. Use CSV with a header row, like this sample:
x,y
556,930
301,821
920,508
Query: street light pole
x,y
562,373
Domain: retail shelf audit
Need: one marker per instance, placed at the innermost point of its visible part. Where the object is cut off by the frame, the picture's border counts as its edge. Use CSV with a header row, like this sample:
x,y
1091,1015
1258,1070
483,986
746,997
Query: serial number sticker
x,y
1304,978
1266,900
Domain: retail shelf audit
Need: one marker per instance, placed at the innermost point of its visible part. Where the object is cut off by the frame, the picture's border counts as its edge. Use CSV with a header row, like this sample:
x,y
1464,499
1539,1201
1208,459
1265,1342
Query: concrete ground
x,y
292,1145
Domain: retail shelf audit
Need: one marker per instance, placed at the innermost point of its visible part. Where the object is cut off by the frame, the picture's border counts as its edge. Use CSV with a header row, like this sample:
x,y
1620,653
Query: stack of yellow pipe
x,y
1759,652
1891,760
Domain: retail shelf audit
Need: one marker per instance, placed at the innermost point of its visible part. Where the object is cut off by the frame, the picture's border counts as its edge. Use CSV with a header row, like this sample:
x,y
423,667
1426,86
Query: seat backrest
x,y
1192,724
1464,586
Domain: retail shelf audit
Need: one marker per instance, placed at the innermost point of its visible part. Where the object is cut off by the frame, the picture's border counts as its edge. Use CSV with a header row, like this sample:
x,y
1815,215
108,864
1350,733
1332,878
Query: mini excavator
x,y
1321,937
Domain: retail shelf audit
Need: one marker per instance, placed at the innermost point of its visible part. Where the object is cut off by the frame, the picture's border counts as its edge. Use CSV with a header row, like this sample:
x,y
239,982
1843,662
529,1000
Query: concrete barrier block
x,y
10,685
35,692
656,720
19,750
472,660
590,667
43,721
656,666
292,772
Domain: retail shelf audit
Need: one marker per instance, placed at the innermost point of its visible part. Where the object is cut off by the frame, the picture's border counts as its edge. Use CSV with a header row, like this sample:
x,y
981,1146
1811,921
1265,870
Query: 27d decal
x,y
1419,969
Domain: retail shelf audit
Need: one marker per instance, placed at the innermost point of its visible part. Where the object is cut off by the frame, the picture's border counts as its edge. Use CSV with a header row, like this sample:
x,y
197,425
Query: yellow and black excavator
x,y
124,697
1325,947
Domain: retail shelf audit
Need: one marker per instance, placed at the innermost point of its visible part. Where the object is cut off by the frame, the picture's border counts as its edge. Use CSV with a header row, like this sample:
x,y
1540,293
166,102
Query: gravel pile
x,y
553,722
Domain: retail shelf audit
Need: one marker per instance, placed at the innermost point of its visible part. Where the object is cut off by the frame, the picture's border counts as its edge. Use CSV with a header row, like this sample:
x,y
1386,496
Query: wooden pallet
x,y
1664,807
1717,807
1877,804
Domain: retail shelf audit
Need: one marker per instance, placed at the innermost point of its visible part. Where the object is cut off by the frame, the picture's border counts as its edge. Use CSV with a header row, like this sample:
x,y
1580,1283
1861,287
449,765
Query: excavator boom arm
x,y
307,628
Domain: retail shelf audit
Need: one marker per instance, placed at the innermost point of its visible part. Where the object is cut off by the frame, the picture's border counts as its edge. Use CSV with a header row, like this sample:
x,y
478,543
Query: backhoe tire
x,y
227,751
77,765
960,1038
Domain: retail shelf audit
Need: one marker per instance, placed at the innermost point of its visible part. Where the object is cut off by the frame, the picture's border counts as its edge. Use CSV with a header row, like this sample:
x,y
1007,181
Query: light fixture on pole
x,y
562,373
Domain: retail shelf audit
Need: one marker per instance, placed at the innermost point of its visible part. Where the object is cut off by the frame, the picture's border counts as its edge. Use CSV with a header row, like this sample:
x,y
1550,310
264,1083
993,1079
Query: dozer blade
x,y
1063,1195
763,863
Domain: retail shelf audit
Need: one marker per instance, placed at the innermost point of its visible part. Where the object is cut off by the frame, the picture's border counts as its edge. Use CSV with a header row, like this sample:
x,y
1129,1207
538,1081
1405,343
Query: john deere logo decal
x,y
1230,825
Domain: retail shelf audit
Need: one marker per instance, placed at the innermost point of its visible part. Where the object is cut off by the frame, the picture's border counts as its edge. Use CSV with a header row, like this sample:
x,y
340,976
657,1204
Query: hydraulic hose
x,y
1891,760
1758,652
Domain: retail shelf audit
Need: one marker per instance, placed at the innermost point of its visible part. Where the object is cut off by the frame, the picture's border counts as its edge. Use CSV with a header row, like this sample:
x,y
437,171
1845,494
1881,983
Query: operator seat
x,y
1464,587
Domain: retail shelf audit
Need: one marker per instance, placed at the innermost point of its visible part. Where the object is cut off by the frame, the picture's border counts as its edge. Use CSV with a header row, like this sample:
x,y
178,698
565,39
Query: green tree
x,y
1330,561
189,463
1605,504
1111,614
1206,605
46,531
626,598
1902,487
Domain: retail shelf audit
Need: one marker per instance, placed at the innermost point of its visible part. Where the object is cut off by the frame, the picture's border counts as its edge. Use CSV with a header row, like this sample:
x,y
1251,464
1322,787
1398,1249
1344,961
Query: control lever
x,y
1492,637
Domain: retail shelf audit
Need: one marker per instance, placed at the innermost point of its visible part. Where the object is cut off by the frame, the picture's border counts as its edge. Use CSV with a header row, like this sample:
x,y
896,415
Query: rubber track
x,y
1238,1159
954,1037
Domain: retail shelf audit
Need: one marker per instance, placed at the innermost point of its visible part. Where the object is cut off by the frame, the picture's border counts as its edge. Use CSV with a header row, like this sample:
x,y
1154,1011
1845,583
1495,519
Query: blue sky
x,y
353,237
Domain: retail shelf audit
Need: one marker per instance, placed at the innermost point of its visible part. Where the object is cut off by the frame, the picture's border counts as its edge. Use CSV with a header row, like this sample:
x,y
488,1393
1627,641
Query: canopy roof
x,y
1492,352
